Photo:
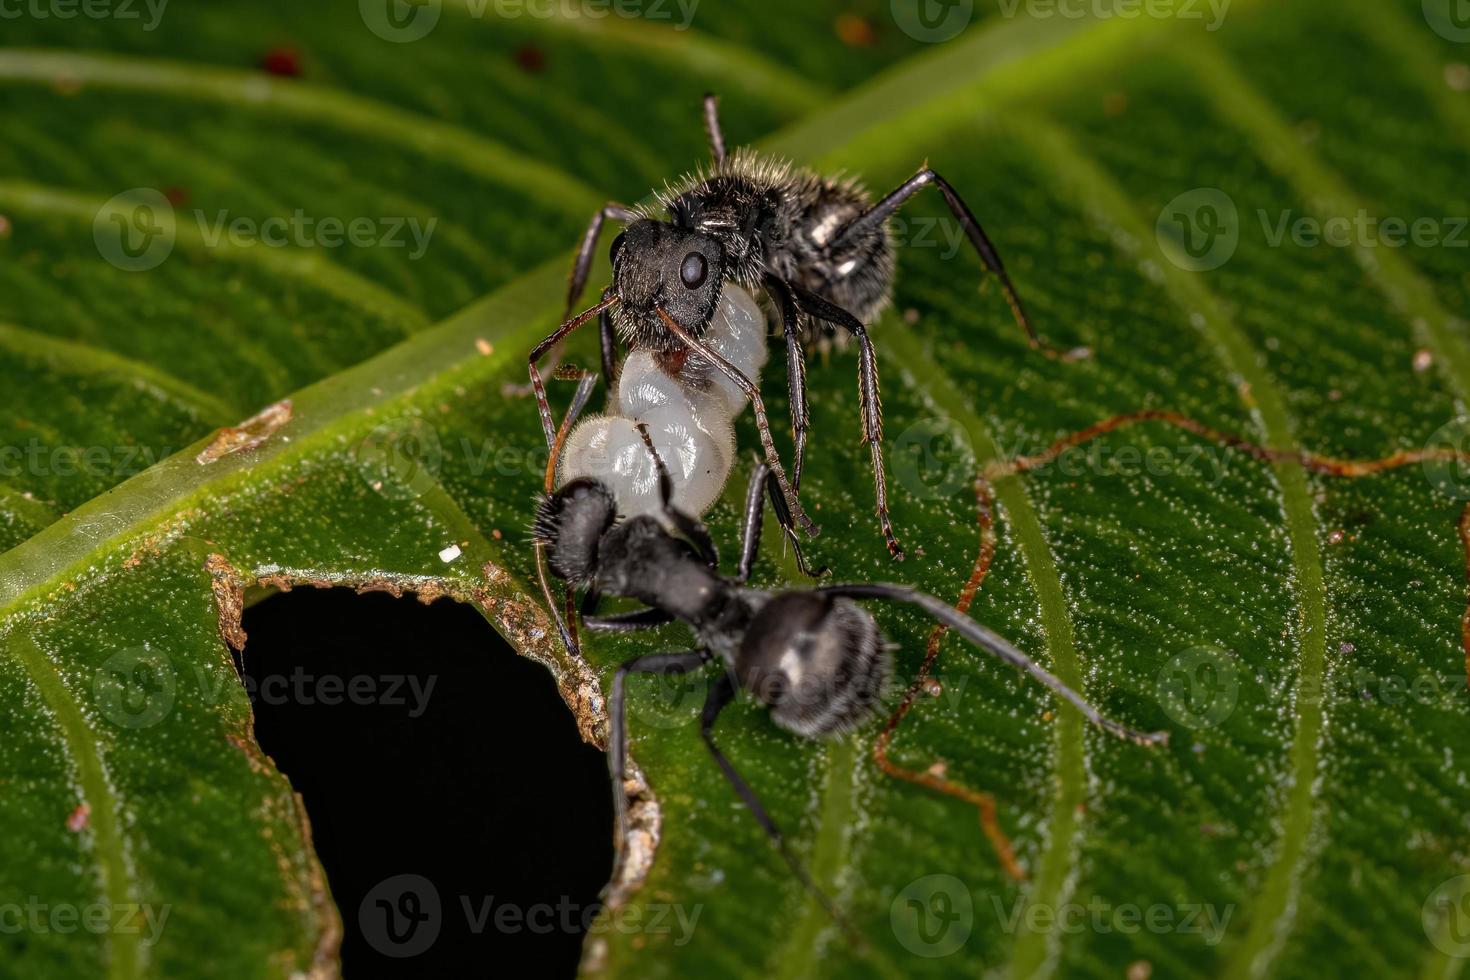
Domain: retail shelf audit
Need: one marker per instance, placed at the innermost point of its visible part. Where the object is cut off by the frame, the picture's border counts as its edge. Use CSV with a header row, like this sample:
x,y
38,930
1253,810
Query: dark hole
x,y
462,822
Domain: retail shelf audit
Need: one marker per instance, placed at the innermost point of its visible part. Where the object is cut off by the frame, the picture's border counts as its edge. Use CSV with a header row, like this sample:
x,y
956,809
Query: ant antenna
x,y
586,381
543,407
563,622
993,643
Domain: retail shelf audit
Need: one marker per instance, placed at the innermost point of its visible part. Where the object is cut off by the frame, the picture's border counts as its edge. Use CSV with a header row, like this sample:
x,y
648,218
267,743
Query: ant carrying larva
x,y
814,657
816,248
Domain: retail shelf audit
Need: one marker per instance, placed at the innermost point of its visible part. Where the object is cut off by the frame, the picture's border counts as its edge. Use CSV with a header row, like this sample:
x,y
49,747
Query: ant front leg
x,y
548,425
762,485
628,622
582,265
795,374
872,405
609,339
617,735
757,407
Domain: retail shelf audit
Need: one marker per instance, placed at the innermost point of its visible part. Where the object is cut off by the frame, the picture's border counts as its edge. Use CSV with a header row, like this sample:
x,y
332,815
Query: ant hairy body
x,y
817,248
814,657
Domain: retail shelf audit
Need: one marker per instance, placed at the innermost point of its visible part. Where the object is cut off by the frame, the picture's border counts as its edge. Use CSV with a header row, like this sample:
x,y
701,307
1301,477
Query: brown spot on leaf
x,y
855,31
229,599
248,434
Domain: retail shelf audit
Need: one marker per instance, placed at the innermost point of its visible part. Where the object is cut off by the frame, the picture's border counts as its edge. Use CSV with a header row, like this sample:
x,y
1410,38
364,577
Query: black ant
x,y
814,657
816,247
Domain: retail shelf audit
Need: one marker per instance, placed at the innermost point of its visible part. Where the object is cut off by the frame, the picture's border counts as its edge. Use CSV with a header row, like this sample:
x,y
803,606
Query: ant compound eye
x,y
615,248
693,270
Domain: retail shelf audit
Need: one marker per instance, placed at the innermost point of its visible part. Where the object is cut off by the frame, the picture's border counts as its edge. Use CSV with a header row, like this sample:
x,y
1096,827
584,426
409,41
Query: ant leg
x,y
712,127
638,619
564,625
720,695
691,527
539,351
783,519
873,219
762,422
609,338
795,375
617,730
995,644
577,279
750,535
750,541
872,404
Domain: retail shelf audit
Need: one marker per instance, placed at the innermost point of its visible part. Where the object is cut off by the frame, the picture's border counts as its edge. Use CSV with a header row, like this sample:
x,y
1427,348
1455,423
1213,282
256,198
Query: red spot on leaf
x,y
284,61
77,822
530,58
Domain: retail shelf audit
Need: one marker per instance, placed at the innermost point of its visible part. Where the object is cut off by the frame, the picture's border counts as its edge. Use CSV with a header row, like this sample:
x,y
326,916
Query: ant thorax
x,y
687,408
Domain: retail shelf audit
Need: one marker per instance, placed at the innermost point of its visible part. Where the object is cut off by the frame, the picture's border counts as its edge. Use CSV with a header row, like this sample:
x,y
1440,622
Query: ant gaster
x,y
817,247
814,657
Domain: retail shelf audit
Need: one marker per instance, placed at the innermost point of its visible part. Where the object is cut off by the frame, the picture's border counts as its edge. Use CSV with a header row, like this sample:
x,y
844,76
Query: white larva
x,y
688,417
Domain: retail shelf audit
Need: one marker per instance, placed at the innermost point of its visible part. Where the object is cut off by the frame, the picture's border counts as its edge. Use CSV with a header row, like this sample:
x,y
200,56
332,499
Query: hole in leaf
x,y
459,816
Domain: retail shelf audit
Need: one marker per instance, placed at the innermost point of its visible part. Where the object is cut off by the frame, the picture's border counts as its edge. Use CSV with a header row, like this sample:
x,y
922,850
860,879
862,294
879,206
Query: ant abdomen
x,y
818,663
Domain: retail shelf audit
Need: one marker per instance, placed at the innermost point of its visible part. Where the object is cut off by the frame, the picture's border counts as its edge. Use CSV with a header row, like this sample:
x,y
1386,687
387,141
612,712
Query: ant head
x,y
658,264
818,663
572,522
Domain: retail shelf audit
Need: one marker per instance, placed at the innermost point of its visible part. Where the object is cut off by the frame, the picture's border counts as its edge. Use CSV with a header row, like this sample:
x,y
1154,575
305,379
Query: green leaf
x,y
1309,815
